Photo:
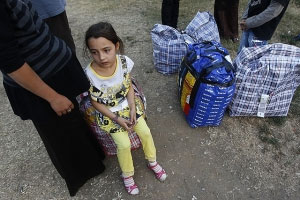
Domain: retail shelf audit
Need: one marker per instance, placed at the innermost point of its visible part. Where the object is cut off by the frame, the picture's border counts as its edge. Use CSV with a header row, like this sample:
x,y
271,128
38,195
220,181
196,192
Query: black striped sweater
x,y
45,53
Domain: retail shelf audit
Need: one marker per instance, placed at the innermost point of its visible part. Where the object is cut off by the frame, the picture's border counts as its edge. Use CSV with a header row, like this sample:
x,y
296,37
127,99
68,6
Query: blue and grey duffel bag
x,y
206,84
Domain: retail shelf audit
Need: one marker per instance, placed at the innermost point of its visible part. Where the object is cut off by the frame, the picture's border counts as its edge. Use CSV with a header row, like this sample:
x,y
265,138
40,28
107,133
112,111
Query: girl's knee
x,y
124,145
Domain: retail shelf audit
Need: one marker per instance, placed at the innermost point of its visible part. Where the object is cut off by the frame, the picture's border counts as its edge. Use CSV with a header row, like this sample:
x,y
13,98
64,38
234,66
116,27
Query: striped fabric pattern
x,y
272,70
170,45
45,53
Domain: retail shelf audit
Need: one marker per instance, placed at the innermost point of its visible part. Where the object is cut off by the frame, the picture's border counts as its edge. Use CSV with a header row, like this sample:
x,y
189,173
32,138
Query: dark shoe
x,y
235,40
297,38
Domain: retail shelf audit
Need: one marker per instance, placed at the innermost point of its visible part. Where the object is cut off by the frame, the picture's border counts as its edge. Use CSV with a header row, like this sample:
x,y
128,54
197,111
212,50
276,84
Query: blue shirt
x,y
49,8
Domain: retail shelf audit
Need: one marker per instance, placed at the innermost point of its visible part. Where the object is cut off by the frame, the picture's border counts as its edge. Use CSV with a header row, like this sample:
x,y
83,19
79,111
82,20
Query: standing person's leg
x,y
226,16
244,41
169,12
175,13
68,142
248,39
253,41
232,13
59,26
220,17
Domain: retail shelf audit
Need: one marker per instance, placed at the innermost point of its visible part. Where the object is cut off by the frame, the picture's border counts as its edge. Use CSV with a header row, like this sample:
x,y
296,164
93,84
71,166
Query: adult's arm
x,y
272,11
14,65
245,13
29,80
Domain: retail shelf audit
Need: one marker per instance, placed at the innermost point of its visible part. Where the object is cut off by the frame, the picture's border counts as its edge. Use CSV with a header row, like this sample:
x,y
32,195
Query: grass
x,y
266,136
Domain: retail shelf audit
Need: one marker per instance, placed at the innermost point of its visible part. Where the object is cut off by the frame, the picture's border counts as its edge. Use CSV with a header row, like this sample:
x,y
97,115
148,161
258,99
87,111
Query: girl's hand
x,y
61,105
126,124
132,117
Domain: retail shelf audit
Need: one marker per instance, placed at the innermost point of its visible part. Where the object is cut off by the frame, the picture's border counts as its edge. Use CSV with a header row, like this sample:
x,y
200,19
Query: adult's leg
x,y
220,17
226,16
253,41
232,19
175,13
244,41
70,147
169,12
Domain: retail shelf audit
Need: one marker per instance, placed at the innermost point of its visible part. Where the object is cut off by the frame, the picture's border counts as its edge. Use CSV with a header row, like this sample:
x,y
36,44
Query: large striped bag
x,y
266,79
170,45
104,138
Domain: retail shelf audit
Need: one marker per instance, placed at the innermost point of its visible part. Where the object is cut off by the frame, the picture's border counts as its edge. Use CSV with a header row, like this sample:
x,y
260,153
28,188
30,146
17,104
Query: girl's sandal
x,y
132,188
159,172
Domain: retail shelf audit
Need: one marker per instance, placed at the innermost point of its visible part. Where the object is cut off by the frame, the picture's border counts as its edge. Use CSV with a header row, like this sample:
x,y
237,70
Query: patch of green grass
x,y
278,121
265,135
289,39
295,108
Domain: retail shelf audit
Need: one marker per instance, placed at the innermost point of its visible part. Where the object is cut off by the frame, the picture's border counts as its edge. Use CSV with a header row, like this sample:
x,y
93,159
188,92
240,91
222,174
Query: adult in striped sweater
x,y
42,78
54,14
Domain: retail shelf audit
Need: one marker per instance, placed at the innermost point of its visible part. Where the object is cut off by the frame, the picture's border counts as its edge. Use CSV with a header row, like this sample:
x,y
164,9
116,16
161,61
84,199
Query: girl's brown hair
x,y
102,29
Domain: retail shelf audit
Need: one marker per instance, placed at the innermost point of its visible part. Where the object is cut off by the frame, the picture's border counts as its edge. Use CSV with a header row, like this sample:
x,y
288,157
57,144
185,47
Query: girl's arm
x,y
131,103
29,80
105,111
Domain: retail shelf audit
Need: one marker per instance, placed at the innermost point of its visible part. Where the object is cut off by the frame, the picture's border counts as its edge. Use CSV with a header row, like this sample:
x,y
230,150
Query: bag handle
x,y
200,78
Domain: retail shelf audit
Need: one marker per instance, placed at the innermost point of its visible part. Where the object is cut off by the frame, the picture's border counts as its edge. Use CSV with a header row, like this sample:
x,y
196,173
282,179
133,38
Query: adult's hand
x,y
243,25
61,105
28,79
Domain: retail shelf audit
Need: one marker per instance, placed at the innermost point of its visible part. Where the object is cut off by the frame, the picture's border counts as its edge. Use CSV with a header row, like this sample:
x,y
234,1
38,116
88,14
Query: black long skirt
x,y
226,16
71,147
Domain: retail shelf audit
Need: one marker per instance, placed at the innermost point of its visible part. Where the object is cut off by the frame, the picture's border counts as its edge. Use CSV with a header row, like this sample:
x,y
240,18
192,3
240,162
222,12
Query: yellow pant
x,y
123,146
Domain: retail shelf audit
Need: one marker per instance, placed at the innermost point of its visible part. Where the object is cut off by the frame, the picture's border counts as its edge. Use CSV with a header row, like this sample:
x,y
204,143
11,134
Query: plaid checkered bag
x,y
266,79
170,45
104,138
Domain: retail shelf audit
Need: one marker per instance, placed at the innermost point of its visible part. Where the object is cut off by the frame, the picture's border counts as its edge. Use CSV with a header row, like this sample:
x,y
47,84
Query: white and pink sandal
x,y
159,172
130,185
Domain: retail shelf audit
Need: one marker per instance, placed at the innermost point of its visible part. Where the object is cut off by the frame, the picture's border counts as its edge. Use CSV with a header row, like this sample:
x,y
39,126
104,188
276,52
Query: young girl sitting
x,y
113,97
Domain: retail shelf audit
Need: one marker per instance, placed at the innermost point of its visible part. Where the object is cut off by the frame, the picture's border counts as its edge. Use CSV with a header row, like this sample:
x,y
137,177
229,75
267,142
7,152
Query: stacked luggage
x,y
170,45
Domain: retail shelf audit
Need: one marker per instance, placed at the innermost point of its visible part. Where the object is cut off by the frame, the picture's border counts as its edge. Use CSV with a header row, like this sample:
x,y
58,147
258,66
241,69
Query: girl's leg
x,y
124,152
144,134
125,160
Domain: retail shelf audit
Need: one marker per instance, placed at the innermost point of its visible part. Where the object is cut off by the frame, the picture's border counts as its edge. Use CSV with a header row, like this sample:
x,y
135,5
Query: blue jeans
x,y
248,39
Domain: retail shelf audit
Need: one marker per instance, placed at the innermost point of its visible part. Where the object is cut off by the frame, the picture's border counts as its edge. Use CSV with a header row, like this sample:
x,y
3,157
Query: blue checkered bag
x,y
170,45
266,79
206,84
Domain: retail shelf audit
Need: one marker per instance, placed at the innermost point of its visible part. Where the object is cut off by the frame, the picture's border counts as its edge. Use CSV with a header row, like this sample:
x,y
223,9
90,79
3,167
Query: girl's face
x,y
103,51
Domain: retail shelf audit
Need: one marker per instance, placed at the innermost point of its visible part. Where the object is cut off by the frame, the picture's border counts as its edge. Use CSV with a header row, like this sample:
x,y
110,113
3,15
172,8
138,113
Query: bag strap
x,y
200,78
124,63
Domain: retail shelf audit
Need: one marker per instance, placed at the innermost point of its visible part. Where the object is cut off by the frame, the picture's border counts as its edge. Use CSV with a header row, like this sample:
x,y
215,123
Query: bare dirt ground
x,y
226,162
